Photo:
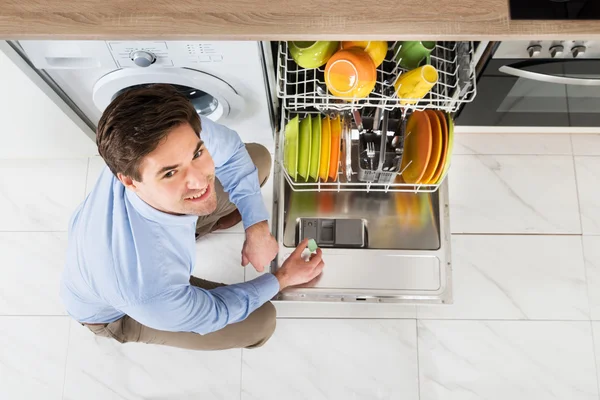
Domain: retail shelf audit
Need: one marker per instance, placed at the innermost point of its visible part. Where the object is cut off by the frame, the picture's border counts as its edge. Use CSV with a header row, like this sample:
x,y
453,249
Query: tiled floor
x,y
526,271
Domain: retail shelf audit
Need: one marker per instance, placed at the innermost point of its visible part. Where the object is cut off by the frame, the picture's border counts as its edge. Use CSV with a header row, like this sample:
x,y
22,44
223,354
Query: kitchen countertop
x,y
277,20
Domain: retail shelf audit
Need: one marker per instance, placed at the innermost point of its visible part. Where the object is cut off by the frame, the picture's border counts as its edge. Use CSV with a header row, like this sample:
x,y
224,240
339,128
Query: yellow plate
x,y
440,168
417,147
450,146
325,149
315,152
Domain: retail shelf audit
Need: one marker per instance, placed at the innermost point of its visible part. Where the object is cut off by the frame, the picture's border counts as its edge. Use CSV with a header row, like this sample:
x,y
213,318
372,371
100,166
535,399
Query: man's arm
x,y
191,309
235,170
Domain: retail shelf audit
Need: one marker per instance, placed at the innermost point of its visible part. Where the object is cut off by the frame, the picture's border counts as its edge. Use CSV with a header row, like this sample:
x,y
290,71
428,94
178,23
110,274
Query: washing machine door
x,y
212,97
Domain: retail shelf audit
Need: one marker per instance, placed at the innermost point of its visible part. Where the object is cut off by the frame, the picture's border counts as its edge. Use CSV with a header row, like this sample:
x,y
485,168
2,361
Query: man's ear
x,y
127,181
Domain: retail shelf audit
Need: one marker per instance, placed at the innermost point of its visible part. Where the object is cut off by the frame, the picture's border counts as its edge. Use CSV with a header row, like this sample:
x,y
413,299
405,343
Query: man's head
x,y
150,139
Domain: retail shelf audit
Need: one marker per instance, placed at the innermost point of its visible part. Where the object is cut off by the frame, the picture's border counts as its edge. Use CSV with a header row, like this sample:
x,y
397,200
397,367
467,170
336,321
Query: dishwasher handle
x,y
536,76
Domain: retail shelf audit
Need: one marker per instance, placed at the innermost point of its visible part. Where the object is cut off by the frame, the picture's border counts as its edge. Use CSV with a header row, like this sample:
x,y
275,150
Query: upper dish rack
x,y
300,88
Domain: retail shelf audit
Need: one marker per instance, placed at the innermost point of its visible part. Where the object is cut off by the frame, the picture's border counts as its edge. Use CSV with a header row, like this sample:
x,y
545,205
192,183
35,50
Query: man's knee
x,y
267,321
262,159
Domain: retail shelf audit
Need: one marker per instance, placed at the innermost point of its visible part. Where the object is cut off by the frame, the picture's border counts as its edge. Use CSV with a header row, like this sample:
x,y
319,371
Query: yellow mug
x,y
414,85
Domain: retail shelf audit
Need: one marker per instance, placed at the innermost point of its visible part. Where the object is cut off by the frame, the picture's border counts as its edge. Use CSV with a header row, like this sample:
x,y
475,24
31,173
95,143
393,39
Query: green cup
x,y
413,54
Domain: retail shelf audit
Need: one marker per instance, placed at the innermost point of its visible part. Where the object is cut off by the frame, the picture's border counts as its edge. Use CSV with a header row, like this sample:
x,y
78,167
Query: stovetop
x,y
555,9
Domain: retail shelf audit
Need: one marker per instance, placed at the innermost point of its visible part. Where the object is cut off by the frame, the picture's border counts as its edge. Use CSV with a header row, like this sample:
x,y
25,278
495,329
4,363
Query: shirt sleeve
x,y
192,309
235,170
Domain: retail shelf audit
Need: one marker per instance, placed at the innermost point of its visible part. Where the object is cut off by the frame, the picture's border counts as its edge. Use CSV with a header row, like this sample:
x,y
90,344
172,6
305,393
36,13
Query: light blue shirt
x,y
126,258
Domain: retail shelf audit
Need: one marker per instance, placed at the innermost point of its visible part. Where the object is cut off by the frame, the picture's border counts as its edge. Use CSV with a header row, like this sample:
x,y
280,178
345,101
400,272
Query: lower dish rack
x,y
352,171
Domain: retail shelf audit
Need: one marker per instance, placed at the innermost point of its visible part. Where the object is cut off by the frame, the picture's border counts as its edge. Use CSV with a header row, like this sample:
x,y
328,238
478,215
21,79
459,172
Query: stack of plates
x,y
427,147
312,148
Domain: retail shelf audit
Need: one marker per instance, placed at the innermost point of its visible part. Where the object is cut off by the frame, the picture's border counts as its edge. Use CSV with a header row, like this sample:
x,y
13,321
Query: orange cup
x,y
350,73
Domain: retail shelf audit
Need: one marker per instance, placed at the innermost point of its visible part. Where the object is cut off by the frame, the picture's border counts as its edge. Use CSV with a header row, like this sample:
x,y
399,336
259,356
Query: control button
x,y
143,58
216,58
578,51
557,51
534,50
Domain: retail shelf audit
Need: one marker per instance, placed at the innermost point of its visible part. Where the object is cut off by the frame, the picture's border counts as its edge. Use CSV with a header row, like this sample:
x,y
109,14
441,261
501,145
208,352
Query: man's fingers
x,y
245,260
259,268
300,248
316,258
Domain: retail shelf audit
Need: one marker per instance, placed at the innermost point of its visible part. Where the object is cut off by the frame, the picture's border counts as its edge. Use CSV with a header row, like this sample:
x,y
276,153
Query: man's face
x,y
178,177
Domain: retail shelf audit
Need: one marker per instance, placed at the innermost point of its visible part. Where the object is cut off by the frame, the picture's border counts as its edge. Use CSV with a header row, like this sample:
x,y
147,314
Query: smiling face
x,y
178,177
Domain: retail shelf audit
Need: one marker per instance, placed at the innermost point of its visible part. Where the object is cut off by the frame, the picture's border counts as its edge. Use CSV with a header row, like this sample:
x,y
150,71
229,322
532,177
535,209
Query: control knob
x,y
143,58
557,51
534,50
578,51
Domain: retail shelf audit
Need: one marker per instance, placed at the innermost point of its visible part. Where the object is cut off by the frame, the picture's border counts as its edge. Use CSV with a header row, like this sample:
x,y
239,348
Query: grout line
x,y
241,371
595,358
418,360
578,199
441,319
66,360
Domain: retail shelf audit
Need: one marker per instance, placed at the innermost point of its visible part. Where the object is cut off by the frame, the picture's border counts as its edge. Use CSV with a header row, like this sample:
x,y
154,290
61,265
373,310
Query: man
x,y
171,175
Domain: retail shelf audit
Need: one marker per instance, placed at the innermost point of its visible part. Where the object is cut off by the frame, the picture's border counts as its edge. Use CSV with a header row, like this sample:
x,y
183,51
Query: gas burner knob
x,y
578,51
557,51
143,58
534,50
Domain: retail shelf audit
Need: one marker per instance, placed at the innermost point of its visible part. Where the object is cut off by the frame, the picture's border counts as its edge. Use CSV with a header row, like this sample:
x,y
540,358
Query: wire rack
x,y
343,184
300,88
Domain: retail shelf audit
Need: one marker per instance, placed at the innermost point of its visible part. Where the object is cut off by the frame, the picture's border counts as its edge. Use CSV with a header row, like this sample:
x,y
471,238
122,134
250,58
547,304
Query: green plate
x,y
450,146
315,153
290,157
305,147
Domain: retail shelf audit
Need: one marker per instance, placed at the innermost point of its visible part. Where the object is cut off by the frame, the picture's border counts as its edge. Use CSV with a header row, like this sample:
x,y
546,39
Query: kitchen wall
x,y
31,124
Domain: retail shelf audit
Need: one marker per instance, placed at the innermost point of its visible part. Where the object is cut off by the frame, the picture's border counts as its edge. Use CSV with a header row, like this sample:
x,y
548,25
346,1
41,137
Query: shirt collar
x,y
151,213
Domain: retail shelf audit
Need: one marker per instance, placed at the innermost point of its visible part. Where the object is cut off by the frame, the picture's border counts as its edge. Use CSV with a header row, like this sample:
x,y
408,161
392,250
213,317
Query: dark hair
x,y
136,121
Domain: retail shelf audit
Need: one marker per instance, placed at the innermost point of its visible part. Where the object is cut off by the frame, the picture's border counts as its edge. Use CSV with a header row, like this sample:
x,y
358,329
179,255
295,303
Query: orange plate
x,y
438,172
417,147
334,160
436,147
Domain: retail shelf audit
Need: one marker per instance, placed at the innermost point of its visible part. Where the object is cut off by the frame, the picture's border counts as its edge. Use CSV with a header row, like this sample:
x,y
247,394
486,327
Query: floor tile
x,y
103,369
596,335
302,309
40,195
513,194
586,144
588,185
512,143
32,264
334,359
591,252
517,360
218,258
95,167
33,351
515,277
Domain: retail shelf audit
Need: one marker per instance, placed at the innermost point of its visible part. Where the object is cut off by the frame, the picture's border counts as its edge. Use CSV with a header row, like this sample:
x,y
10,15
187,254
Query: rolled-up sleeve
x,y
235,170
192,309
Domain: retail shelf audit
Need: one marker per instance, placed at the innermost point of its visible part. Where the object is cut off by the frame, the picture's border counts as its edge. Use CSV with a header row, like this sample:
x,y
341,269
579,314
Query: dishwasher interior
x,y
384,239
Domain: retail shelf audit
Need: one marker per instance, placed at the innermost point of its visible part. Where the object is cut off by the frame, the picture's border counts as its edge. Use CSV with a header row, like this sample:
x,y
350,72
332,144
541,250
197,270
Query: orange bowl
x,y
350,73
376,49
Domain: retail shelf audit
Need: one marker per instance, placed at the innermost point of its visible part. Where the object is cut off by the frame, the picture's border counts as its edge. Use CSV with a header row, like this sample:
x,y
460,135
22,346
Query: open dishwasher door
x,y
377,247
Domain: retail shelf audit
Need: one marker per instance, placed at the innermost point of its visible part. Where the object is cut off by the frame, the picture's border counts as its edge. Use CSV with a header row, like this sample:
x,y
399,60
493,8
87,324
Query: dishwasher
x,y
383,241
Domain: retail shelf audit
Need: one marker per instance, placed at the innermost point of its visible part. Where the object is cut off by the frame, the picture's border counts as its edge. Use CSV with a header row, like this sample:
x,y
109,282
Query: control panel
x,y
559,49
146,54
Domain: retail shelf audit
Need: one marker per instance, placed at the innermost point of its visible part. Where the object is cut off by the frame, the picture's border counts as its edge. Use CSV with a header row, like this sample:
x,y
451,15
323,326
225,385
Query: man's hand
x,y
296,271
260,247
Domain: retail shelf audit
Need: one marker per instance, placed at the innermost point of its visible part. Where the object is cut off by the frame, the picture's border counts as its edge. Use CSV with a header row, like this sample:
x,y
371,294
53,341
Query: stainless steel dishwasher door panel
x,y
405,257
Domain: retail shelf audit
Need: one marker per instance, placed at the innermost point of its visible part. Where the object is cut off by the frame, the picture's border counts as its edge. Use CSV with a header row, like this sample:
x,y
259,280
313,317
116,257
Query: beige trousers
x,y
253,332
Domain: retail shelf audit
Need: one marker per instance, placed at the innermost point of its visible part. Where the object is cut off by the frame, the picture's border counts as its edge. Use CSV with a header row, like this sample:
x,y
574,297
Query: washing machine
x,y
225,81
